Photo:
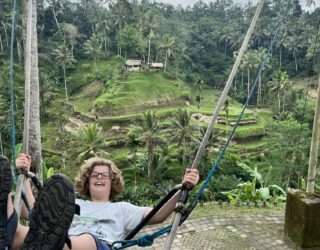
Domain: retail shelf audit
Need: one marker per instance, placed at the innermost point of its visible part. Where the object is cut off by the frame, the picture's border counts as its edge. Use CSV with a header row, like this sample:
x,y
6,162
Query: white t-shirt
x,y
107,220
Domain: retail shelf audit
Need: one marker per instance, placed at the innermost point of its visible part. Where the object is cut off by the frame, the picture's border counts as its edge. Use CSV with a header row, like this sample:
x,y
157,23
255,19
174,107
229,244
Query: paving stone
x,y
247,232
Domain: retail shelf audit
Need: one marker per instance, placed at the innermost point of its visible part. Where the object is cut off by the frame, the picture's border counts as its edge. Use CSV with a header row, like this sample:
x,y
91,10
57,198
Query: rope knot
x,y
146,240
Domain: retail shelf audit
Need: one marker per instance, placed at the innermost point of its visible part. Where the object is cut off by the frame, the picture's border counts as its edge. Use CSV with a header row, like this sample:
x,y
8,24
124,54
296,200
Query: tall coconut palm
x,y
148,134
260,56
120,13
249,62
70,34
56,7
92,142
93,48
104,26
47,90
63,57
34,110
167,45
152,25
183,132
279,84
293,44
198,86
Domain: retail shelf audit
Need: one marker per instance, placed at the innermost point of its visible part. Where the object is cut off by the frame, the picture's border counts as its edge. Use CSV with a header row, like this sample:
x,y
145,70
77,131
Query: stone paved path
x,y
258,231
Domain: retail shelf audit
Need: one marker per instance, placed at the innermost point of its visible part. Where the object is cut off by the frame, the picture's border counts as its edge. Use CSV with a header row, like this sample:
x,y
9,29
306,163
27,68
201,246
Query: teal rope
x,y
12,88
143,241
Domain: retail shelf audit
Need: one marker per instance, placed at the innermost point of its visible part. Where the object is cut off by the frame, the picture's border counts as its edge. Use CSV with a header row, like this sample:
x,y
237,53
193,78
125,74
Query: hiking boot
x,y
5,189
51,215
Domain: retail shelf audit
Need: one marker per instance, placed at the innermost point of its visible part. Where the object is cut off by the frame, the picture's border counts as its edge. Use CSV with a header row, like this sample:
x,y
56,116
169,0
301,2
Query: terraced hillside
x,y
116,103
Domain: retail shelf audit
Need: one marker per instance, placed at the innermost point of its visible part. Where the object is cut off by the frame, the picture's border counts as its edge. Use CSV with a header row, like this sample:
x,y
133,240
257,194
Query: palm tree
x,y
148,132
158,166
70,34
260,55
92,142
152,25
47,90
93,48
198,86
311,2
167,45
34,110
132,142
248,63
105,26
182,131
293,45
56,7
279,83
120,13
63,57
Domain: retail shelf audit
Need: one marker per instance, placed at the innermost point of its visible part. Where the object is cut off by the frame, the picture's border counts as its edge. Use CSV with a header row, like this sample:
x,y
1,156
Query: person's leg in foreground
x,y
51,215
8,219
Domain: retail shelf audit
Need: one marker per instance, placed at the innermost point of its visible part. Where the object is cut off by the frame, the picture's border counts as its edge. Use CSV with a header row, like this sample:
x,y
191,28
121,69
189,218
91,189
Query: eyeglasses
x,y
104,175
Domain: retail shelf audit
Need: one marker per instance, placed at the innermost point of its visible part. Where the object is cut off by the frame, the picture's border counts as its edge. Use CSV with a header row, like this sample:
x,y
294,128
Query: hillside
x,y
116,104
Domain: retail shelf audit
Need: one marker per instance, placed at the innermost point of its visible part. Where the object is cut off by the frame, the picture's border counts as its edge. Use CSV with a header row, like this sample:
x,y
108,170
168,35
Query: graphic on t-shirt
x,y
92,225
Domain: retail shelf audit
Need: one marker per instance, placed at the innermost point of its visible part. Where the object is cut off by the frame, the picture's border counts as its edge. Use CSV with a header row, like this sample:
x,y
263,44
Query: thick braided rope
x,y
13,24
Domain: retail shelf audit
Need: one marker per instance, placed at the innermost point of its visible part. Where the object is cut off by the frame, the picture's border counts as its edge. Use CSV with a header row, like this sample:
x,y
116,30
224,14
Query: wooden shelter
x,y
156,66
133,65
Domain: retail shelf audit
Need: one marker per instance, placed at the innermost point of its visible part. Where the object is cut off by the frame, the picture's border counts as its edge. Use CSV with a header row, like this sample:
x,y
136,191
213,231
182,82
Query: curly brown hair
x,y
82,180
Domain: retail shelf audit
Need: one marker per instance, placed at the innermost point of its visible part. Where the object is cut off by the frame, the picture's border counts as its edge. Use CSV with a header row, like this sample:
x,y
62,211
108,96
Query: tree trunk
x,y
105,41
19,50
65,82
259,96
295,61
6,35
312,169
248,81
55,18
1,45
225,47
242,80
165,62
279,103
95,65
1,147
34,132
284,100
280,58
149,47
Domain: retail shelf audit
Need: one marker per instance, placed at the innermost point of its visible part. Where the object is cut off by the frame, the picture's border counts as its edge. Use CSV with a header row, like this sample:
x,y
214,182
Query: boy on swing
x,y
52,219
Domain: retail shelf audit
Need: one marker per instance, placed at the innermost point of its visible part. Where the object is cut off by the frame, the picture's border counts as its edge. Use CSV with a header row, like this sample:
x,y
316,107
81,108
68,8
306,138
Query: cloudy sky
x,y
185,3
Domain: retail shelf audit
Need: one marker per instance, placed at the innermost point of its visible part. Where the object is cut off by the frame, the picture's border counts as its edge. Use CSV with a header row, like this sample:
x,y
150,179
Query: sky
x,y
185,3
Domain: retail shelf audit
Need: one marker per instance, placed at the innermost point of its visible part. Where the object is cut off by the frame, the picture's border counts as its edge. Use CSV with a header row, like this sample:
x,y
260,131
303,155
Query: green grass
x,y
252,145
213,209
141,88
83,71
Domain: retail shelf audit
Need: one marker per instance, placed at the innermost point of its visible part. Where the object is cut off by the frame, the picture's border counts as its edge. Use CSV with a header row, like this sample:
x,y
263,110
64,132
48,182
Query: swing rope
x,y
13,23
147,240
22,177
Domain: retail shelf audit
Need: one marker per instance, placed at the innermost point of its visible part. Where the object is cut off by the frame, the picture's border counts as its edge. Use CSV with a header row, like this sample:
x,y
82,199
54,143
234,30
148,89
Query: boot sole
x,y
5,189
51,216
